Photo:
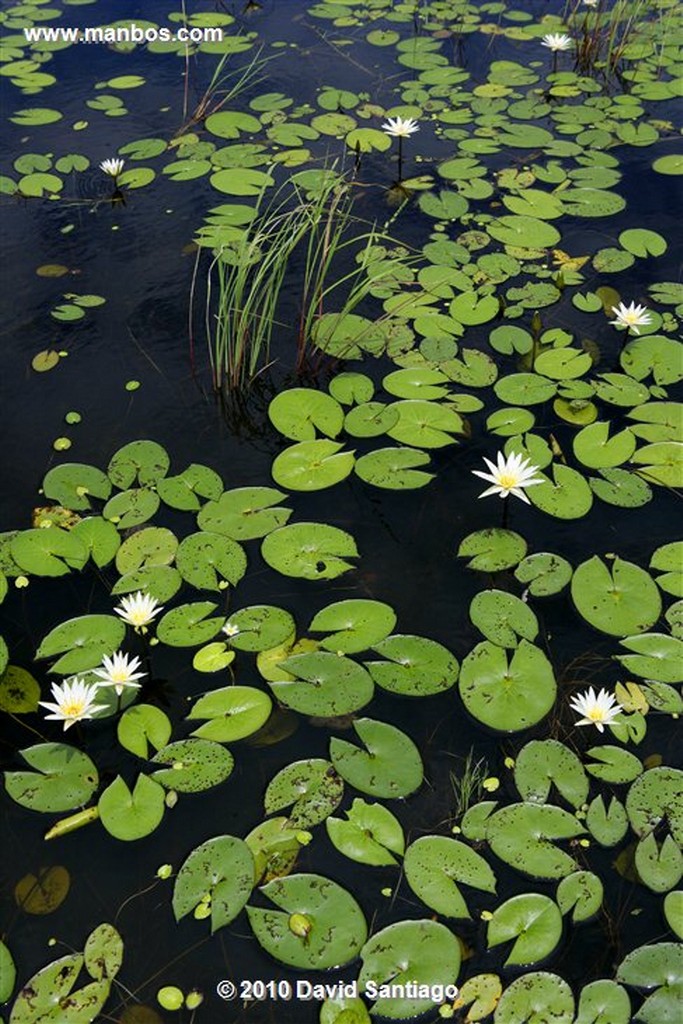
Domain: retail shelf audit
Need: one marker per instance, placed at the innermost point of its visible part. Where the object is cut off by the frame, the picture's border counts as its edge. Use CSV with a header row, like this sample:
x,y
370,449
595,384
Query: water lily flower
x,y
590,3
120,672
399,128
598,709
74,701
112,167
138,609
509,476
230,629
556,41
632,317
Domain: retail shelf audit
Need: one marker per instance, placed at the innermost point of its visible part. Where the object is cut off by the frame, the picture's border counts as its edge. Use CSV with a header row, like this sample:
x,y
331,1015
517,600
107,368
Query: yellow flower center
x,y
596,714
119,675
73,709
507,480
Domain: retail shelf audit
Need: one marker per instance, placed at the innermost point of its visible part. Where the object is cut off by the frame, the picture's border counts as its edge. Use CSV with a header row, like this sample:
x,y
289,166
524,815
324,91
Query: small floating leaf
x,y
312,788
533,921
336,931
222,869
64,778
619,600
435,867
131,814
390,766
425,953
370,835
231,713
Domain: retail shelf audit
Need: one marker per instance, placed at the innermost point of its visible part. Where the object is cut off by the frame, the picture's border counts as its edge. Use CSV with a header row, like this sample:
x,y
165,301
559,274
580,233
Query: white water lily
x,y
557,41
120,672
509,476
230,629
632,317
598,709
74,701
590,3
399,128
138,609
112,167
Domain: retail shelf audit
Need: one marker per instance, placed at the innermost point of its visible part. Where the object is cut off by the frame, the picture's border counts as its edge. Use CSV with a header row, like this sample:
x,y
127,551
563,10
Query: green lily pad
x,y
355,625
394,468
144,461
162,582
608,825
603,1002
436,866
493,549
184,491
524,389
8,973
536,998
655,796
390,766
423,952
142,726
660,967
53,987
542,763
545,573
192,765
260,627
314,551
619,602
19,691
324,685
370,834
507,697
100,538
242,181
424,424
657,656
613,764
103,952
312,465
370,419
189,625
673,911
656,355
244,513
220,872
351,388
318,924
523,836
312,788
154,545
503,618
533,921
231,713
82,642
299,413
131,508
206,560
72,484
48,552
64,778
415,666
659,864
582,893
131,814
621,487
